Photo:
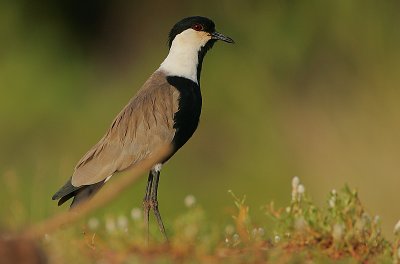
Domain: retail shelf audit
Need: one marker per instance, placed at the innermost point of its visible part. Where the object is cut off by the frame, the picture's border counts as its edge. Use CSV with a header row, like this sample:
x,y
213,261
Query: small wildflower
x,y
295,185
93,223
254,232
136,214
122,222
277,239
295,182
301,189
396,230
189,200
227,240
229,229
110,225
332,202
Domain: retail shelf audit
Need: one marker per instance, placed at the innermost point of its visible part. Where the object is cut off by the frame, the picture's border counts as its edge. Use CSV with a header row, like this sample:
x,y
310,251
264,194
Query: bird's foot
x,y
152,204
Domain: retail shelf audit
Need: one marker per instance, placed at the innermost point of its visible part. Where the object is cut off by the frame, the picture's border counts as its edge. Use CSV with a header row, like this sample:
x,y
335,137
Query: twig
x,y
107,194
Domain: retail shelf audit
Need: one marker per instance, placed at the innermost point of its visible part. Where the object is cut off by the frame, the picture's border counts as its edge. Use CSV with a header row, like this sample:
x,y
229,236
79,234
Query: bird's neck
x,y
183,61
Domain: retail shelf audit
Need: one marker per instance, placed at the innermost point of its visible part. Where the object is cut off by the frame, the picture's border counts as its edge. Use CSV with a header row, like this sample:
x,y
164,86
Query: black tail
x,y
80,194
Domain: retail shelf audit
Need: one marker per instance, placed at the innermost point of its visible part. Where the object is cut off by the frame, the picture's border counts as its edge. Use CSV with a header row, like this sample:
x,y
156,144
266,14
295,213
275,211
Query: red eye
x,y
198,27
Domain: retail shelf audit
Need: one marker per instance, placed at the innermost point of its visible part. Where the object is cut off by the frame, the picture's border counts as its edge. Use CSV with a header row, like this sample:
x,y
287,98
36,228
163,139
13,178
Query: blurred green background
x,y
309,89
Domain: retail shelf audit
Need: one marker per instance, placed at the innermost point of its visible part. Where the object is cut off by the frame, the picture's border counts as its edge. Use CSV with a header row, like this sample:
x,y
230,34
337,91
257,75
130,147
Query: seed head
x,y
301,189
295,182
122,222
190,201
136,214
110,225
93,223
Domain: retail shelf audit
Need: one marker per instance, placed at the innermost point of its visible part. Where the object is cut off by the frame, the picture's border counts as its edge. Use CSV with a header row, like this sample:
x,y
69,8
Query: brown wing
x,y
143,126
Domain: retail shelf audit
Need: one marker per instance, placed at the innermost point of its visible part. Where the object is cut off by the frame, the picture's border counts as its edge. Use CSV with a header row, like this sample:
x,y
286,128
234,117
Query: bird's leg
x,y
147,205
154,203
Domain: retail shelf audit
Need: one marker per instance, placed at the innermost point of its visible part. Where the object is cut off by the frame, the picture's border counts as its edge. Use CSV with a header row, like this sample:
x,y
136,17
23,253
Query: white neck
x,y
182,59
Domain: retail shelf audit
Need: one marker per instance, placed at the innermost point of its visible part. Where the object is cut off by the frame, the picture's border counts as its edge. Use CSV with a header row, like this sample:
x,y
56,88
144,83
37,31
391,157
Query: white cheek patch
x,y
182,59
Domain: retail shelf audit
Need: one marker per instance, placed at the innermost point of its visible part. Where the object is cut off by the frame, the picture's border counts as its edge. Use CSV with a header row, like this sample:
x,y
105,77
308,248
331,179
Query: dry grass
x,y
341,231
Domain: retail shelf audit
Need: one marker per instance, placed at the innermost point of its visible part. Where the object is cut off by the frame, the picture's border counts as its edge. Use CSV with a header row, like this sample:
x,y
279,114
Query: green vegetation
x,y
340,231
310,88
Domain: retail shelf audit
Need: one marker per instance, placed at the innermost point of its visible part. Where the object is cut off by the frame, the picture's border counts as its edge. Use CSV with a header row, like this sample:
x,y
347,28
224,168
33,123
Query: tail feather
x,y
86,192
67,189
79,194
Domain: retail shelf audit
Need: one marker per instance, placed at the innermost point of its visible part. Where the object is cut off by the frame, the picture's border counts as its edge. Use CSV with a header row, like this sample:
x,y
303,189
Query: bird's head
x,y
189,40
197,31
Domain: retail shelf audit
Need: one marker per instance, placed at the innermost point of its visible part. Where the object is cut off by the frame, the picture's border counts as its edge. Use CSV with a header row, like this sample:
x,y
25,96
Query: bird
x,y
165,111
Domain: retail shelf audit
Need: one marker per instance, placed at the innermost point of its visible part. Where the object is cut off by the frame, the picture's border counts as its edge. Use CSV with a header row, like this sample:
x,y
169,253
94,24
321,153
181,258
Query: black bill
x,y
219,36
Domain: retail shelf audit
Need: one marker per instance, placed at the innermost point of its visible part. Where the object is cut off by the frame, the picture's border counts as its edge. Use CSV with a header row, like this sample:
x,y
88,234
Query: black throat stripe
x,y
186,119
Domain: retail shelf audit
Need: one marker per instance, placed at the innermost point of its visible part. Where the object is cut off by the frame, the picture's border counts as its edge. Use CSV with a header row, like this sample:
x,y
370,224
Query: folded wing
x,y
141,128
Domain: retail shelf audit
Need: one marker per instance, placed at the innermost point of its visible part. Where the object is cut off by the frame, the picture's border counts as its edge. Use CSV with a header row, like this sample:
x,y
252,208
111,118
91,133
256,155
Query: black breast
x,y
187,117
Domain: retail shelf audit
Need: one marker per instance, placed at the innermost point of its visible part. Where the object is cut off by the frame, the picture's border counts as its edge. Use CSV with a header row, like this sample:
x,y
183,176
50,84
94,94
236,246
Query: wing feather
x,y
143,126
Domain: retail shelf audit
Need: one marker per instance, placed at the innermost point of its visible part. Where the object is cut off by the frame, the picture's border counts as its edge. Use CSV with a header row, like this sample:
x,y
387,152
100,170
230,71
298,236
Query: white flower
x,y
396,230
277,239
254,232
93,223
261,231
301,189
288,209
332,202
258,232
136,214
189,200
295,182
122,222
333,192
110,225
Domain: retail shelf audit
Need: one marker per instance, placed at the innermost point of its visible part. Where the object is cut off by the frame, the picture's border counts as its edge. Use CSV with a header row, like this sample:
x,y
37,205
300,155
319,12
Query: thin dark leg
x,y
154,204
147,205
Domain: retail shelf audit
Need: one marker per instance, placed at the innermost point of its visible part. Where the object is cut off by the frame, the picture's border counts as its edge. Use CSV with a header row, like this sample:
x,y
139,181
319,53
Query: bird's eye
x,y
198,27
